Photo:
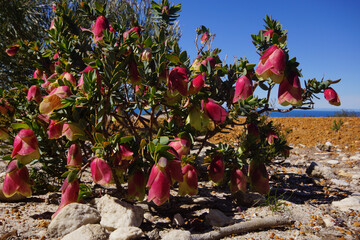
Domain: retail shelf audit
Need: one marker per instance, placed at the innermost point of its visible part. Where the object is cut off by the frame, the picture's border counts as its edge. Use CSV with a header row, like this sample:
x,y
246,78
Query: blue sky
x,y
323,35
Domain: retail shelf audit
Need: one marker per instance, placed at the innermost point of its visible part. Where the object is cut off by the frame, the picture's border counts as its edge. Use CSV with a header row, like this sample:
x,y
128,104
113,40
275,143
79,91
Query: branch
x,y
243,227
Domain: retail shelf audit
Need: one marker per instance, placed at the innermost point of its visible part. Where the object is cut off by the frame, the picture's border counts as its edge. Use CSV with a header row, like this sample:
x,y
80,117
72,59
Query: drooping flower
x,y
189,185
216,112
11,51
136,185
204,37
159,183
238,180
38,74
74,157
272,64
243,88
25,147
72,131
259,178
332,96
68,77
100,171
269,32
181,146
197,83
178,80
210,60
217,169
173,169
52,101
124,156
69,194
101,24
55,129
34,94
130,31
16,181
270,137
290,91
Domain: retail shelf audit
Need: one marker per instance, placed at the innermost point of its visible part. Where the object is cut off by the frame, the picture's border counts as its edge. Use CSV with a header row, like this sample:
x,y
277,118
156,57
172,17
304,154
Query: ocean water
x,y
316,113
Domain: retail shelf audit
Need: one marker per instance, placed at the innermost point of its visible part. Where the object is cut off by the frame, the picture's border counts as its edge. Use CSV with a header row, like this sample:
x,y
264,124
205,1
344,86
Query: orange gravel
x,y
311,130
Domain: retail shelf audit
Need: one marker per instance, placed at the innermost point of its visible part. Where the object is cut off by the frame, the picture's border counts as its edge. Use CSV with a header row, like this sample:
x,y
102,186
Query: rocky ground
x,y
315,194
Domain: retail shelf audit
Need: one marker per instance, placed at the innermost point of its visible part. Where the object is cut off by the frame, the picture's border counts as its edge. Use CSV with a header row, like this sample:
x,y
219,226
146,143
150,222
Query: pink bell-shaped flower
x,y
101,24
238,180
55,129
181,146
243,88
74,157
259,178
204,37
136,185
52,101
127,33
178,80
101,171
189,185
25,147
290,91
11,51
16,181
68,77
159,183
72,131
197,83
270,137
332,96
34,94
216,112
217,169
272,64
38,74
69,194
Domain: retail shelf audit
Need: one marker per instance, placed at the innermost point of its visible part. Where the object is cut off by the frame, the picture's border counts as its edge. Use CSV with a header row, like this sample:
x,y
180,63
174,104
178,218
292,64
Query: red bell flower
x,y
332,96
272,64
25,147
189,185
16,181
243,88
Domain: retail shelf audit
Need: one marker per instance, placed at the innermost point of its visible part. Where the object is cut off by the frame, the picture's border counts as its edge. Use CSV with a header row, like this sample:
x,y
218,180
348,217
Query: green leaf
x,y
164,140
19,126
126,139
7,157
72,176
99,7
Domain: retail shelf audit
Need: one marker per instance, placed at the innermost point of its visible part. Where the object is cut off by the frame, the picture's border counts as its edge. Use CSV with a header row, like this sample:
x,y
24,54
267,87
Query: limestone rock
x,y
70,218
320,171
176,234
115,213
217,218
126,233
88,232
178,220
352,202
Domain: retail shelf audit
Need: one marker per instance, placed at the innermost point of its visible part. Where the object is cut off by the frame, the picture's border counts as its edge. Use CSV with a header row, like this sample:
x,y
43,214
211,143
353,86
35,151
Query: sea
x,y
318,113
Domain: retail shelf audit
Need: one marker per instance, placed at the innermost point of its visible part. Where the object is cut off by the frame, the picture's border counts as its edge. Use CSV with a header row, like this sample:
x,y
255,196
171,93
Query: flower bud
x,y
55,129
159,185
216,112
101,171
181,146
69,194
25,147
189,185
259,178
204,37
272,64
11,51
74,157
52,101
290,91
238,180
211,61
38,74
243,88
332,96
34,94
217,169
197,83
72,131
68,77
16,181
136,185
269,32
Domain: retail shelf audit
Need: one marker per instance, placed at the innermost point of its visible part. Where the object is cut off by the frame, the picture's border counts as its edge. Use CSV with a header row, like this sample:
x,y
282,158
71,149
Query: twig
x,y
256,224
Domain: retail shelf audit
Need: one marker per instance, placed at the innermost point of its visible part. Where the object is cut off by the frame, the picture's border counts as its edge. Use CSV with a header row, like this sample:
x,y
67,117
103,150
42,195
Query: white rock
x,y
70,218
348,203
217,218
176,234
115,213
340,182
88,232
320,171
355,157
13,198
126,233
328,220
331,162
356,176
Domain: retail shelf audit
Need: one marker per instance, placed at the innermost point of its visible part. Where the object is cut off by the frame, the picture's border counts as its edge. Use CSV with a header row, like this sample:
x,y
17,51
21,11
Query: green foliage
x,y
337,125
